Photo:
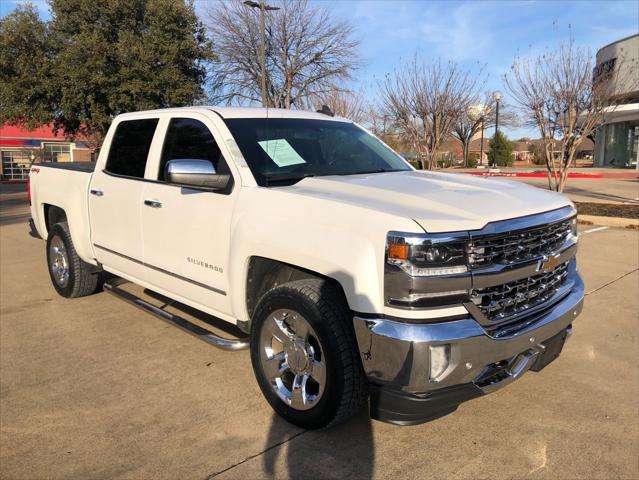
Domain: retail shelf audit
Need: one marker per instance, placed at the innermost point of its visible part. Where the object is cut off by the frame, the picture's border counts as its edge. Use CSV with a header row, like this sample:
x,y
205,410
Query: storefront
x,y
20,147
617,141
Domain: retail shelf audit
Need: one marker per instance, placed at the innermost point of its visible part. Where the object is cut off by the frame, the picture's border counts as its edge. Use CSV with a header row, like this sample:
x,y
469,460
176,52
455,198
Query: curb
x,y
609,221
623,175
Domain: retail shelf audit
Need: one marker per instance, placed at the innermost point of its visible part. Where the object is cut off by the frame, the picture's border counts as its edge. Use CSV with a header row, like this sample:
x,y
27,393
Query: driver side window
x,y
187,138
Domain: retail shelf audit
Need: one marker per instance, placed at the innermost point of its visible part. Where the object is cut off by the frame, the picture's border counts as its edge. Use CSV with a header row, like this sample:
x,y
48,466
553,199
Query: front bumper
x,y
396,359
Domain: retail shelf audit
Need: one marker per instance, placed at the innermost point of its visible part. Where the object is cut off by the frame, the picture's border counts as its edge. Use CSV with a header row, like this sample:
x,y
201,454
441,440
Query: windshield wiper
x,y
377,170
289,178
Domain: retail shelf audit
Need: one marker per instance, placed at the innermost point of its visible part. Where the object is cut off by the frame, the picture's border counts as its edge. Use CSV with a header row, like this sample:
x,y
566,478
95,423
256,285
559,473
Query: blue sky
x,y
476,34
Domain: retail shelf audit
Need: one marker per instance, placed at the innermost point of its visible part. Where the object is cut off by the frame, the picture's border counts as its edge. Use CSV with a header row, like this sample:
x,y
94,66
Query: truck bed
x,y
64,186
87,167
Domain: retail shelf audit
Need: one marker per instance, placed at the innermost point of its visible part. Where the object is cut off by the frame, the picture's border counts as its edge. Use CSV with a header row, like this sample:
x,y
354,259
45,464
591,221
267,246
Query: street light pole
x,y
263,7
263,52
497,96
481,146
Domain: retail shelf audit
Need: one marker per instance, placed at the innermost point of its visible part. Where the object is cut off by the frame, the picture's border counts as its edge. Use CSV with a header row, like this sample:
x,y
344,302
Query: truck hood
x,y
438,202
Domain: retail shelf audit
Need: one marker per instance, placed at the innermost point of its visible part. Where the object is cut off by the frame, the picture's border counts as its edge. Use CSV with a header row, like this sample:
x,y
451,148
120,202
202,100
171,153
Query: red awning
x,y
39,133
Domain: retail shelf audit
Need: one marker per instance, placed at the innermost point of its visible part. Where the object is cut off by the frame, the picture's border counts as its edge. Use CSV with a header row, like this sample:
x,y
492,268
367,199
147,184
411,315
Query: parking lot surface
x,y
94,388
600,190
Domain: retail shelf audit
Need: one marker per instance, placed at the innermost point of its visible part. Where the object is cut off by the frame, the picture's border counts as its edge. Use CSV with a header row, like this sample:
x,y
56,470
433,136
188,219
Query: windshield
x,y
285,150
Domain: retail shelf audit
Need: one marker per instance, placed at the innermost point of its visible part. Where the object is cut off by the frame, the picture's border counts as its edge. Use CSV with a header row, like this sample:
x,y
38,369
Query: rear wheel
x,y
71,276
305,356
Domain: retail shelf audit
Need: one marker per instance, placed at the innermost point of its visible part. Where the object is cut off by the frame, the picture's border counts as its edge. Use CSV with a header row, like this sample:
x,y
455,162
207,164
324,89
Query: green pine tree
x,y
500,151
104,58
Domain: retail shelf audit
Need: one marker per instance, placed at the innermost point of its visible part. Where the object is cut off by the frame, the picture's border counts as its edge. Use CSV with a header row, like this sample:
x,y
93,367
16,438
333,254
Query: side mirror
x,y
195,173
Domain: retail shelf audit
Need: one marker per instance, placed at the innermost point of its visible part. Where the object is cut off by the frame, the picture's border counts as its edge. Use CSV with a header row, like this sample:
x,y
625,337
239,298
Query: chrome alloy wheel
x,y
292,359
59,262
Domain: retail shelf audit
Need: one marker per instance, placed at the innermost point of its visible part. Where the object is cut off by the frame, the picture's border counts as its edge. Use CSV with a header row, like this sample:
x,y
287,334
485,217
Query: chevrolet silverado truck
x,y
353,278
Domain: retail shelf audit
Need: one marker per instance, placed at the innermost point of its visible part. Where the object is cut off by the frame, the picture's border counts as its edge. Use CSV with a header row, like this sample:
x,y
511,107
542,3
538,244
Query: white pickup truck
x,y
353,277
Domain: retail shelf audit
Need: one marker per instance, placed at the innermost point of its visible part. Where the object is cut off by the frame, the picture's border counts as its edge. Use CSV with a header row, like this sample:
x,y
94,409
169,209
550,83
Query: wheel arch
x,y
52,215
265,273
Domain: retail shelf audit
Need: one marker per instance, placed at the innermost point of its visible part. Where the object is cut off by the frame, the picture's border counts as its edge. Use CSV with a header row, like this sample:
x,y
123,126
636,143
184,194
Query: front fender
x,y
342,242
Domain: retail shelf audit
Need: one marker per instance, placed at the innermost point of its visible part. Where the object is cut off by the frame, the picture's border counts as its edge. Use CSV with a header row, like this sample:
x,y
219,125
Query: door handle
x,y
153,203
97,193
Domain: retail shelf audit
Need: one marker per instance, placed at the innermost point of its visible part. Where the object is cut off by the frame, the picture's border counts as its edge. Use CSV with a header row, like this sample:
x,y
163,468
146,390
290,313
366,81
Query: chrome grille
x,y
514,247
500,302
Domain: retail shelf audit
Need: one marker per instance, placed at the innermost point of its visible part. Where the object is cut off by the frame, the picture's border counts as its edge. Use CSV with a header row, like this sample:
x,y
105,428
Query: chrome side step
x,y
113,287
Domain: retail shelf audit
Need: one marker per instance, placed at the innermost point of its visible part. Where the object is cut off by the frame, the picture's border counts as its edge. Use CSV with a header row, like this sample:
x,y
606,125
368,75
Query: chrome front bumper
x,y
396,355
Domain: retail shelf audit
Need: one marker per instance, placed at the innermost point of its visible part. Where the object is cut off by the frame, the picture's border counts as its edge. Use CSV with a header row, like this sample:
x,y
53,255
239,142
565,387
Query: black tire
x,y
82,277
323,305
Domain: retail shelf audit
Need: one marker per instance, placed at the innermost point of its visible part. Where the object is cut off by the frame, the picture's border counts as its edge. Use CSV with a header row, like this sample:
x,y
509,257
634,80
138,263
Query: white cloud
x,y
461,34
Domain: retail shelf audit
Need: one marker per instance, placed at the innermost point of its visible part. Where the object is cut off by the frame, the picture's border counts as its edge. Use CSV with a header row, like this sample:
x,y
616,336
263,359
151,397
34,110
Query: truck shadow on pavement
x,y
344,451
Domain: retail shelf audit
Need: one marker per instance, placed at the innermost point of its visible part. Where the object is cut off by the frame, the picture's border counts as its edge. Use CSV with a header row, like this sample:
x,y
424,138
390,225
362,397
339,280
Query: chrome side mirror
x,y
195,173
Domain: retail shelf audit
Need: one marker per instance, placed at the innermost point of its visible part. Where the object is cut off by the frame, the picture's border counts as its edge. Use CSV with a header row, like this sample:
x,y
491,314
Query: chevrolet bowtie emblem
x,y
548,263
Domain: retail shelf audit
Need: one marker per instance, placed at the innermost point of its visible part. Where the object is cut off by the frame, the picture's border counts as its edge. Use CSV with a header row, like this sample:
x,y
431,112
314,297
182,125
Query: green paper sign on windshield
x,y
281,152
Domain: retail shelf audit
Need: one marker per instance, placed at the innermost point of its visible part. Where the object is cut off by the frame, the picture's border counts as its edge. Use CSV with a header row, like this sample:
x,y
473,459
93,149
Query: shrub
x,y
500,151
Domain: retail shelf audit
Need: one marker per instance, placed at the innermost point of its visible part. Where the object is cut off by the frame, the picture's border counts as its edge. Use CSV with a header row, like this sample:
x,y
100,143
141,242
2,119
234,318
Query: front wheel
x,y
305,356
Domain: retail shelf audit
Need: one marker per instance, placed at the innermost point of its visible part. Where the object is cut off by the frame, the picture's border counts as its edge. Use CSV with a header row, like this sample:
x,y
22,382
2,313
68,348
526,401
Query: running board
x,y
113,287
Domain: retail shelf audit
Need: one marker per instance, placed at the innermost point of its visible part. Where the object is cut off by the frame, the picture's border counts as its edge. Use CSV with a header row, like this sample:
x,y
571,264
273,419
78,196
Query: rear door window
x,y
130,147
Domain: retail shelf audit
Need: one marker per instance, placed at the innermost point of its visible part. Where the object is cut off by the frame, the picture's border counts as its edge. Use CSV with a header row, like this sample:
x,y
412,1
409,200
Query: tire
x,y
330,394
70,275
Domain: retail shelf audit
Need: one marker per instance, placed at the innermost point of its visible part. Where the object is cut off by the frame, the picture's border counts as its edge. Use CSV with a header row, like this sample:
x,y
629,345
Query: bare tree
x,y
424,100
343,103
564,100
308,53
478,116
398,105
471,121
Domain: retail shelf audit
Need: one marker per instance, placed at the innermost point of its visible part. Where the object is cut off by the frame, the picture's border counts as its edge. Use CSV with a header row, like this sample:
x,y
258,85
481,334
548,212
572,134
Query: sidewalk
x,y
614,187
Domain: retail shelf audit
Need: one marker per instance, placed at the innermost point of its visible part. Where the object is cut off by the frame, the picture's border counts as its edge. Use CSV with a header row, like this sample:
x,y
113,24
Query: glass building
x,y
20,147
617,141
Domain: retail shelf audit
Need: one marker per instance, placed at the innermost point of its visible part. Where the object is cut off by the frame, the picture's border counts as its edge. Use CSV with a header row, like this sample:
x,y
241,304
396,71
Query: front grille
x,y
514,247
500,302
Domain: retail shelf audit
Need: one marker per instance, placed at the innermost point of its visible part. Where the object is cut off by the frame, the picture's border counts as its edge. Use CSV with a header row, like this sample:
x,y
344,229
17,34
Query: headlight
x,y
425,270
426,255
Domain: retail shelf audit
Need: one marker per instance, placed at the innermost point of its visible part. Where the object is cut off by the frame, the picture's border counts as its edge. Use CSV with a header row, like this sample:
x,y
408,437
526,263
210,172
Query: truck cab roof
x,y
240,112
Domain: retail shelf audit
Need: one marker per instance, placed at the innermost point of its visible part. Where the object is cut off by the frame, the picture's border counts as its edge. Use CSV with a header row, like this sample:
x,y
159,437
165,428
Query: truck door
x,y
115,198
186,231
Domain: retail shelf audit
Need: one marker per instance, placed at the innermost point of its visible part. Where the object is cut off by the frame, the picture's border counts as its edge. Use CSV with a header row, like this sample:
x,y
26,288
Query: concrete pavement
x,y
94,388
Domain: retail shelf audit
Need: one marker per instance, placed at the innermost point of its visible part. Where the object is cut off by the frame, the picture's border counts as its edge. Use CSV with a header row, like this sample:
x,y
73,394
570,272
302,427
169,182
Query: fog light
x,y
439,360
